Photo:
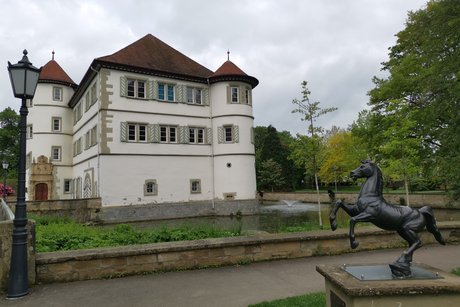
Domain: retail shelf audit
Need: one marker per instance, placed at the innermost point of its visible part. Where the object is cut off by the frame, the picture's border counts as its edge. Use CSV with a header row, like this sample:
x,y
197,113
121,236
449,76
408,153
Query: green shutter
x,y
123,86
155,133
236,134
229,95
252,135
208,135
205,96
220,135
241,94
123,131
150,89
155,89
180,92
184,137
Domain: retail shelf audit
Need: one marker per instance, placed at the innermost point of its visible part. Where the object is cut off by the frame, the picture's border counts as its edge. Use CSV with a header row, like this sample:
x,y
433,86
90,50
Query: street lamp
x,y
5,169
24,79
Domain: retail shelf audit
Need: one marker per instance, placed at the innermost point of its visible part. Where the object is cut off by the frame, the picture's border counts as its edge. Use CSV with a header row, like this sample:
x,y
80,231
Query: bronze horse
x,y
372,207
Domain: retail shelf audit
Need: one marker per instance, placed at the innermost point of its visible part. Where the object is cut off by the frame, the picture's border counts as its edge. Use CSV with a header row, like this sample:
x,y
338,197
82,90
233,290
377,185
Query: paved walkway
x,y
226,286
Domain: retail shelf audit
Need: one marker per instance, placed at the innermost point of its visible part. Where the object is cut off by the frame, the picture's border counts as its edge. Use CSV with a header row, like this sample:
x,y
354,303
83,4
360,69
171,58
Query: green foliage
x,y
422,91
55,234
456,271
307,300
9,139
270,174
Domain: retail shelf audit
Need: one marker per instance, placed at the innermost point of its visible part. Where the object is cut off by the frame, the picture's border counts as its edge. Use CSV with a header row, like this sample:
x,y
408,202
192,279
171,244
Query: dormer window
x,y
57,93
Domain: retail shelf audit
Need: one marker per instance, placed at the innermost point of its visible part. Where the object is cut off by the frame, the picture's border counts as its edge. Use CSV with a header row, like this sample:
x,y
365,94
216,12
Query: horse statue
x,y
372,207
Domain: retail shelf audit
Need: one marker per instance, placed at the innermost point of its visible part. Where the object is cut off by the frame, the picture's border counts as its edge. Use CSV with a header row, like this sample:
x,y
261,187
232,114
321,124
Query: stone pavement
x,y
225,286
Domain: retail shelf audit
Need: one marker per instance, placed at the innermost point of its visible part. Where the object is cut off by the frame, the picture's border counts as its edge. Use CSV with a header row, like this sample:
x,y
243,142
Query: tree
x,y
9,138
271,174
424,83
310,112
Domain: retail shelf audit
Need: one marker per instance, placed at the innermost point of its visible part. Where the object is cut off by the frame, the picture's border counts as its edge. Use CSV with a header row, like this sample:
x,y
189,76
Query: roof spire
x,y
52,55
228,54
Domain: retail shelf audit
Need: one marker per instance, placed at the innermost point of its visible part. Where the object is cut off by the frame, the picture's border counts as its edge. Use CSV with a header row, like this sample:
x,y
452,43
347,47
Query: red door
x,y
41,191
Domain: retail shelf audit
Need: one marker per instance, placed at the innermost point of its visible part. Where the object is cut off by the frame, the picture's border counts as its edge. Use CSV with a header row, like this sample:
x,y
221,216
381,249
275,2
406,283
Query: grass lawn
x,y
307,300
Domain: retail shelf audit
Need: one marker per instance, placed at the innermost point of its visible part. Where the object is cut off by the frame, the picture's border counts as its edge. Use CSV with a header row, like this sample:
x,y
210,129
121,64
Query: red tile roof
x,y
150,53
52,72
230,72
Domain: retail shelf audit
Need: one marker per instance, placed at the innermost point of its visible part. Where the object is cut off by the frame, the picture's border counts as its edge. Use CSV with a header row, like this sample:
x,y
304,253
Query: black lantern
x,y
24,79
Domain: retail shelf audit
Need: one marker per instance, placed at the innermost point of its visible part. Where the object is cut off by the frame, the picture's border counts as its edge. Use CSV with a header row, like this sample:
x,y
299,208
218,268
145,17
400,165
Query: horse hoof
x,y
354,244
333,225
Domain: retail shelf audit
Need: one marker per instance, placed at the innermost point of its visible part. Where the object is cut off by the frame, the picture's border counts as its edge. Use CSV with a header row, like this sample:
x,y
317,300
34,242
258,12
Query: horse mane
x,y
379,186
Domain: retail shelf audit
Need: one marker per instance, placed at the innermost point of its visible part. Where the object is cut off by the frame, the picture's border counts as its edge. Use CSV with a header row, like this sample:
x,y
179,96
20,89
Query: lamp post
x,y
24,79
5,169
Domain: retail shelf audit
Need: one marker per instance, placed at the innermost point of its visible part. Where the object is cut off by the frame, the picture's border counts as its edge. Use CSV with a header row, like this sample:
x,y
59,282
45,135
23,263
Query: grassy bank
x,y
307,300
57,234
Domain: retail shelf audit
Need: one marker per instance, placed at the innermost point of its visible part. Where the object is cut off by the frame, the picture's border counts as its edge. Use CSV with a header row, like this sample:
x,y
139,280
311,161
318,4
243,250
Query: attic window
x,y
57,93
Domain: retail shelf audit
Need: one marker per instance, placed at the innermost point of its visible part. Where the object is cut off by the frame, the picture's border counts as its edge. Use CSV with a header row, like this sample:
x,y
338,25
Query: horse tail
x,y
431,224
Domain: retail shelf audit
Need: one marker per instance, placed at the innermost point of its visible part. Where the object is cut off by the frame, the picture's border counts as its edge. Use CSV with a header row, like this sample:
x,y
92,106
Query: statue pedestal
x,y
373,285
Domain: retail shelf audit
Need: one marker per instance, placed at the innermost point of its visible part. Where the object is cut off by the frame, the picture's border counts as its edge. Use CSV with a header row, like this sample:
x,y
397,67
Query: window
x,y
67,186
93,134
87,101
56,124
29,132
56,153
77,148
228,134
195,186
137,133
150,187
93,94
77,113
136,88
194,95
166,92
247,96
196,135
57,93
168,134
234,94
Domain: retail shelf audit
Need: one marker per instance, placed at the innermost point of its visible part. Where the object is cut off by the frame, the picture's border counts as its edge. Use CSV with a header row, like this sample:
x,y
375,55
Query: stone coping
x,y
258,239
351,286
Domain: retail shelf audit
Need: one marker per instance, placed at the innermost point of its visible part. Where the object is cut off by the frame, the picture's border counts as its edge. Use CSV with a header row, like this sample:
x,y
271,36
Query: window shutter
x,y
236,134
220,135
184,137
208,135
154,89
252,135
123,131
241,94
150,89
180,93
154,133
205,97
123,87
229,95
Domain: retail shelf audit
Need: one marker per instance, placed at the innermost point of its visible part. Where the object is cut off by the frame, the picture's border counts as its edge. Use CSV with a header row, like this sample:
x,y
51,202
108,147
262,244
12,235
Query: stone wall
x,y
128,260
416,200
6,232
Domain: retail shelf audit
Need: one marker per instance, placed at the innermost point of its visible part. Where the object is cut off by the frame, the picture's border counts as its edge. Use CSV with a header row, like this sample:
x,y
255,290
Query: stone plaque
x,y
336,301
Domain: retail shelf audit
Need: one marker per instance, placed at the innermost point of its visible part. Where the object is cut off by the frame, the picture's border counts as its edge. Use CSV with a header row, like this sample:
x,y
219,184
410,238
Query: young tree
x,y
310,112
271,174
9,138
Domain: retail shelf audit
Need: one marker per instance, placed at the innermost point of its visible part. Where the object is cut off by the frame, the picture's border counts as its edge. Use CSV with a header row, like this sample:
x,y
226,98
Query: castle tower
x,y
49,134
232,121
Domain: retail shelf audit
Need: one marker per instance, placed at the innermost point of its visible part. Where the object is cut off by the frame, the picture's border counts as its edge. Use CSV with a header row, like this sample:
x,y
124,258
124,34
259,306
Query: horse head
x,y
365,170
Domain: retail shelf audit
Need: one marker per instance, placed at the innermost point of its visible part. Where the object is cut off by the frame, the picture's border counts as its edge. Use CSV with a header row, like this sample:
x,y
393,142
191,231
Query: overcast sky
x,y
335,45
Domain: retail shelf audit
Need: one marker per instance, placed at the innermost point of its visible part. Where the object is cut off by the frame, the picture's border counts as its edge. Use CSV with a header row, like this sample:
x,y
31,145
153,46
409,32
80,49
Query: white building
x,y
145,125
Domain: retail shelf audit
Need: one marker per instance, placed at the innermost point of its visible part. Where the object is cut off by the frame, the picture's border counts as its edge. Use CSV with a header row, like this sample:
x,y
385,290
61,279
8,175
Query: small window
x,y
137,133
150,187
195,186
56,124
57,93
166,92
234,94
29,132
228,134
67,186
56,153
247,96
136,88
168,134
196,135
194,95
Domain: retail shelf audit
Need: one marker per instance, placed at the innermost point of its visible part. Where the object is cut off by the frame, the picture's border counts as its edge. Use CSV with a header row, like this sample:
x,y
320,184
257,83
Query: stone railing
x,y
136,259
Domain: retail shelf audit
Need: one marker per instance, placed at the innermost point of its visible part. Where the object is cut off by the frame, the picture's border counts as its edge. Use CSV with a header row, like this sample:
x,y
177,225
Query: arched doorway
x,y
41,191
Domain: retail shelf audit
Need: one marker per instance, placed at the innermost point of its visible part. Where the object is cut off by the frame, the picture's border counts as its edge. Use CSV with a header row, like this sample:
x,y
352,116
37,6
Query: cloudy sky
x,y
335,45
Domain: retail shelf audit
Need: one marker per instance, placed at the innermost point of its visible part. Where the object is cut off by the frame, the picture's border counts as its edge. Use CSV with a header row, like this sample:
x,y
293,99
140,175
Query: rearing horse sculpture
x,y
372,207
